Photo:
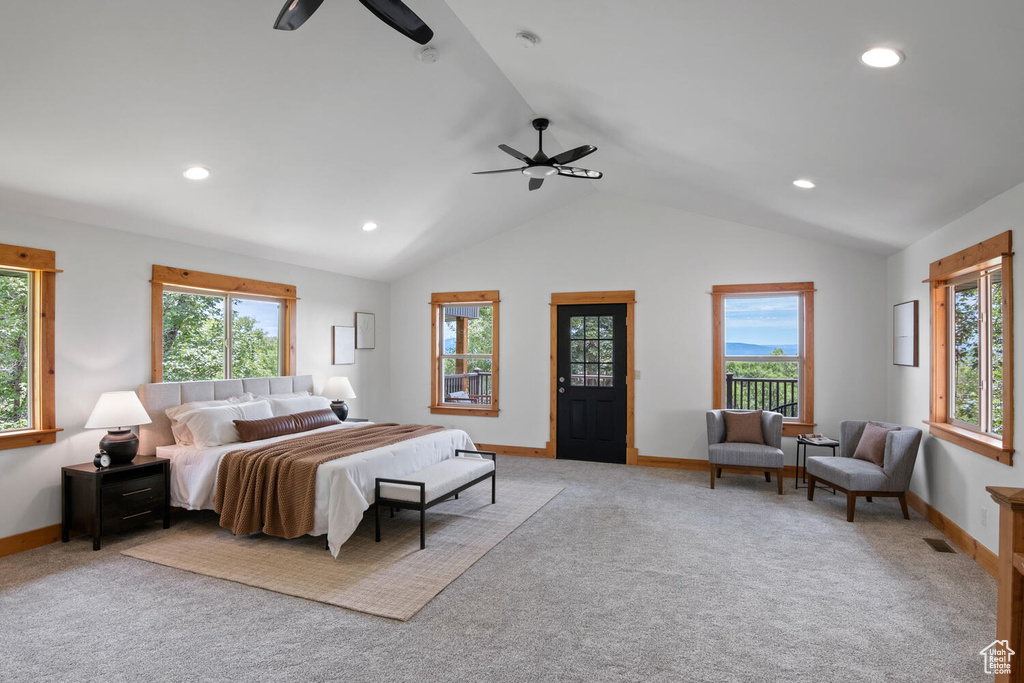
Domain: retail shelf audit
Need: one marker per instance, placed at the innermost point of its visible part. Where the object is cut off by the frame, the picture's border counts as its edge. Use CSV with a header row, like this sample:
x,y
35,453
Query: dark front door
x,y
592,382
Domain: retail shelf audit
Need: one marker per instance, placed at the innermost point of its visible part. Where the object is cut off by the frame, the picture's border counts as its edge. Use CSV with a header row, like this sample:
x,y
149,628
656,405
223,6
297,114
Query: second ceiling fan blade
x,y
535,183
294,14
572,155
398,16
516,153
504,170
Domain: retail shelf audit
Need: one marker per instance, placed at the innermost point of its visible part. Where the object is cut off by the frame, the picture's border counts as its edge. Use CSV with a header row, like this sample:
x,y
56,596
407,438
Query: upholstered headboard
x,y
157,398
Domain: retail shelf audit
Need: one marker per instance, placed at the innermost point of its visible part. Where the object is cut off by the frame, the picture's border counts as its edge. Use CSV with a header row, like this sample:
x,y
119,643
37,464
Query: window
x,y
215,327
464,353
972,343
763,349
27,305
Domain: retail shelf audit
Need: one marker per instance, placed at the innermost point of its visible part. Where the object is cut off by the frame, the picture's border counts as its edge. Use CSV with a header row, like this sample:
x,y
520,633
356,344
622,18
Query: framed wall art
x,y
366,333
904,333
344,345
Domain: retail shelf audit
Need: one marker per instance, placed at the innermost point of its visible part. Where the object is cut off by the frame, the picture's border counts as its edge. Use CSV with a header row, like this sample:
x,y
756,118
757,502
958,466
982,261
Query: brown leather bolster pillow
x,y
254,430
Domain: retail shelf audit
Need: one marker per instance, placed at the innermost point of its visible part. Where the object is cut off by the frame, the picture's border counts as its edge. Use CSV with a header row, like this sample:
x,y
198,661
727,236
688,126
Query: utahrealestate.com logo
x,y
997,657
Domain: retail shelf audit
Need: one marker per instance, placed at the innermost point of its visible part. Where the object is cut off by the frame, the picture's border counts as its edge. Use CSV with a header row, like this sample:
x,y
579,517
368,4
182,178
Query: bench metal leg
x,y
494,483
423,529
376,515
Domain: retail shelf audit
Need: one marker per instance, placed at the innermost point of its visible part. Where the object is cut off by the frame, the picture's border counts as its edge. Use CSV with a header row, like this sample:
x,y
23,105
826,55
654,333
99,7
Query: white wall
x,y
950,478
103,340
672,259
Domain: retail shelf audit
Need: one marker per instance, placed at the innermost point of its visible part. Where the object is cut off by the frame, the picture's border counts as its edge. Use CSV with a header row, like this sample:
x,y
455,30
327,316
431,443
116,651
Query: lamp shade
x,y
338,388
117,409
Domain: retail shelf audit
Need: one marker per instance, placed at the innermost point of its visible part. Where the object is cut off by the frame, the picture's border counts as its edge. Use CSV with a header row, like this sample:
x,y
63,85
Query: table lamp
x,y
338,389
116,411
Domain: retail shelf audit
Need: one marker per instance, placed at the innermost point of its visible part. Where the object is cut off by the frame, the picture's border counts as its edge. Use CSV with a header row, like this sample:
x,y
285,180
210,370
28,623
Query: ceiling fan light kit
x,y
527,39
540,166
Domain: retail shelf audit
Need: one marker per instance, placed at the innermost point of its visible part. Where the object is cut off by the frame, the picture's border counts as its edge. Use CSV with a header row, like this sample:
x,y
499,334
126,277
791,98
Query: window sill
x,y
988,446
458,410
797,428
28,437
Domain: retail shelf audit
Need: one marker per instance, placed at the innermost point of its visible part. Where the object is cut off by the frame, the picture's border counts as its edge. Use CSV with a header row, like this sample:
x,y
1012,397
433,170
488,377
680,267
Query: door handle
x,y
561,390
561,379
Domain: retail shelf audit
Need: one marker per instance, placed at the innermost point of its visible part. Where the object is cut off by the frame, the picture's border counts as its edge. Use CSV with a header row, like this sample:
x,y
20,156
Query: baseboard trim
x,y
29,540
694,464
522,451
967,543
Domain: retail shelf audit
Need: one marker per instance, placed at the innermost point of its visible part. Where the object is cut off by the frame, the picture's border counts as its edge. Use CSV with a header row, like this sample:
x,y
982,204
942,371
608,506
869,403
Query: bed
x,y
344,487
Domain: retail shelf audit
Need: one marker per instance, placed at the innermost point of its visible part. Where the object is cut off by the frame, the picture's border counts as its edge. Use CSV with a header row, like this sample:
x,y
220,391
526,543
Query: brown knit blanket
x,y
272,488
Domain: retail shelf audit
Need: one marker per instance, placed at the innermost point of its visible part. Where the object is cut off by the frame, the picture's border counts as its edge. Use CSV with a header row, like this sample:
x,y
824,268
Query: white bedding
x,y
344,487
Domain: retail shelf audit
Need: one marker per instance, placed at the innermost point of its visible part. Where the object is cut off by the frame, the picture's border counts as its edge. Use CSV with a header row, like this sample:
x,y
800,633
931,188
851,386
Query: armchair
x,y
863,478
766,457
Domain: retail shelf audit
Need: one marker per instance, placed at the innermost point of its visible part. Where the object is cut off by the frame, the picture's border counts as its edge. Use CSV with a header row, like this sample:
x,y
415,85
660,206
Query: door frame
x,y
627,297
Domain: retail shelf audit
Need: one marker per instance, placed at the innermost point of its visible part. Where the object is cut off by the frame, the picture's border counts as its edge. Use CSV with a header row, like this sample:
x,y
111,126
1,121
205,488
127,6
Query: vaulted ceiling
x,y
712,107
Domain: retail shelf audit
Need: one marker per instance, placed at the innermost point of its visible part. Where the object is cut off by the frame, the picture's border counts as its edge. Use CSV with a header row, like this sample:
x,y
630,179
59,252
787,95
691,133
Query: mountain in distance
x,y
741,349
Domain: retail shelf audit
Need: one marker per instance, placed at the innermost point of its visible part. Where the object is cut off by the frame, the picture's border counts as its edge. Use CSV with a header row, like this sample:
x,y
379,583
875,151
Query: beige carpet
x,y
393,578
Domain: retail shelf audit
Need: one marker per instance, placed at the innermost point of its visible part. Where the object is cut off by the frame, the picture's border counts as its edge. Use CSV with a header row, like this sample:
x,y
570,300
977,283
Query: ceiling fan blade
x,y
576,172
516,153
572,155
535,183
504,170
294,14
398,16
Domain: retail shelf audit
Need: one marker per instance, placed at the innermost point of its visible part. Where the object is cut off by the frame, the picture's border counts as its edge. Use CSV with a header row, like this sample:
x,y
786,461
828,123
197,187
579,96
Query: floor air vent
x,y
939,545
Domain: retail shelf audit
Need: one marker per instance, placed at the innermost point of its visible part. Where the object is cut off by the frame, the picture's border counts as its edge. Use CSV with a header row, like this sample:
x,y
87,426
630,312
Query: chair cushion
x,y
849,473
871,446
745,454
441,478
743,427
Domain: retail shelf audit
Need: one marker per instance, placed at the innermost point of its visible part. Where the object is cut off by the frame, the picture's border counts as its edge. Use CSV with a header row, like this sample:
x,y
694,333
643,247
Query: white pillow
x,y
290,394
181,432
298,404
214,425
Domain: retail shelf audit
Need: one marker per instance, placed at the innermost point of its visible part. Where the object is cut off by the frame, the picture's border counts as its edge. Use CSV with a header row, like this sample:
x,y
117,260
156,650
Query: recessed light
x,y
196,173
804,183
882,57
369,226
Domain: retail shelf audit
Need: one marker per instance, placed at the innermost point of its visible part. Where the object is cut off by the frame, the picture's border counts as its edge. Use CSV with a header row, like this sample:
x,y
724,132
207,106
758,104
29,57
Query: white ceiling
x,y
712,107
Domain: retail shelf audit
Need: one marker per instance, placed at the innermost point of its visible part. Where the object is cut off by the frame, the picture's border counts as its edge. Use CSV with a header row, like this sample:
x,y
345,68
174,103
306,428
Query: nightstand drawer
x,y
144,488
125,519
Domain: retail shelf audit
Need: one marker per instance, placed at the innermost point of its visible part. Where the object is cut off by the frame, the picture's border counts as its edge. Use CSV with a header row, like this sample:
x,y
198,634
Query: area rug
x,y
392,579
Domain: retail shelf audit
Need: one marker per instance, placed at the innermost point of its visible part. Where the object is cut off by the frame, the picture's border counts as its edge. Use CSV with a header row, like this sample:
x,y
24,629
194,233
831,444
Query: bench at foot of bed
x,y
435,484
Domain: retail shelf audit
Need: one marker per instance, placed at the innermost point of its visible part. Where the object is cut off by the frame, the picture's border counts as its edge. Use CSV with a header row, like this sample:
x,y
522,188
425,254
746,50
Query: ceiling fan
x,y
541,166
394,13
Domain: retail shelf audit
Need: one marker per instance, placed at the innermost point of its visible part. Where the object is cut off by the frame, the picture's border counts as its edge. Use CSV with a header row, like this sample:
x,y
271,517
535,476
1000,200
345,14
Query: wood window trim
x,y
627,297
437,302
805,422
42,263
995,251
221,284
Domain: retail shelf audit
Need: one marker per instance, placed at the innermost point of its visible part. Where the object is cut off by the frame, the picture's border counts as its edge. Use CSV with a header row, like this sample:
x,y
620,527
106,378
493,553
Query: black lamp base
x,y
340,409
121,445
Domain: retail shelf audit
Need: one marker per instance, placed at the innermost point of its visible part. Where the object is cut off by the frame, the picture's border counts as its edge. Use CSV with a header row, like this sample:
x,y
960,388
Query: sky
x,y
762,320
267,314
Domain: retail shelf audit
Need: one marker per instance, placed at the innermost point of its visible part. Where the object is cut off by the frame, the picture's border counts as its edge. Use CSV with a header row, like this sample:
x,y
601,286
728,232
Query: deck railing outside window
x,y
755,393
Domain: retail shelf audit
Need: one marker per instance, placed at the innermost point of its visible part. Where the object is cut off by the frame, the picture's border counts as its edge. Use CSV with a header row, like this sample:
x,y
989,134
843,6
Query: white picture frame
x,y
344,345
904,334
366,332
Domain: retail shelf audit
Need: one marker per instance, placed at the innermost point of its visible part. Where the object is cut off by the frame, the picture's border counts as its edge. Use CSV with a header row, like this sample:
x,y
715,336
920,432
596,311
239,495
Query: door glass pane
x,y
576,327
15,351
755,385
193,337
605,375
593,351
576,379
606,351
966,346
576,354
255,338
591,327
605,327
996,335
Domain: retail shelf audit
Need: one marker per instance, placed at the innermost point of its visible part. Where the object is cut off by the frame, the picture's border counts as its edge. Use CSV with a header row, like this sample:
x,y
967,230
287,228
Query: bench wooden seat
x,y
435,484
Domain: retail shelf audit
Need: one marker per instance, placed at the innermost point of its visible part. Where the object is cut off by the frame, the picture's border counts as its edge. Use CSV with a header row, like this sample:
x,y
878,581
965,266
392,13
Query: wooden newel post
x,y
1010,608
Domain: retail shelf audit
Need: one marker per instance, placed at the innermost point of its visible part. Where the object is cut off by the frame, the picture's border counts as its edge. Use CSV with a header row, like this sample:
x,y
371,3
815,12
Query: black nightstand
x,y
112,499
